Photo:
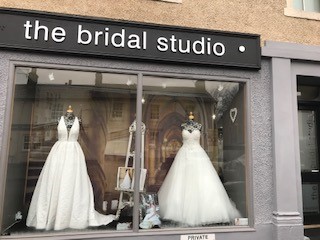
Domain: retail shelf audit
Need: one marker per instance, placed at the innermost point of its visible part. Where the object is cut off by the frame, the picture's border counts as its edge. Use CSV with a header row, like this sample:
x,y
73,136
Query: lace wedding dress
x,y
63,197
192,193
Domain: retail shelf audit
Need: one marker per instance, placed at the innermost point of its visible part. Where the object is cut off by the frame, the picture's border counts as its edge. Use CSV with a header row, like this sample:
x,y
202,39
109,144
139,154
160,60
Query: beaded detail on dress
x,y
191,125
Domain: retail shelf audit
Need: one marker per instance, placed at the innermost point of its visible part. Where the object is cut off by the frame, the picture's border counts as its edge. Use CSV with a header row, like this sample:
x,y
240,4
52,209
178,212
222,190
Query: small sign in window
x,y
198,237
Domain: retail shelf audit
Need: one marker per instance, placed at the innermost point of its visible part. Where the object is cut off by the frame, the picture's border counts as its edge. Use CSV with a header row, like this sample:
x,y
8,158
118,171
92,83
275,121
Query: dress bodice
x,y
191,125
64,135
191,137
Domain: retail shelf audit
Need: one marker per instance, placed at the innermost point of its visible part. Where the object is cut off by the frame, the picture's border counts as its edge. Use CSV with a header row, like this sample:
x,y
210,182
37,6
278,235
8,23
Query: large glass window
x,y
73,152
194,153
49,182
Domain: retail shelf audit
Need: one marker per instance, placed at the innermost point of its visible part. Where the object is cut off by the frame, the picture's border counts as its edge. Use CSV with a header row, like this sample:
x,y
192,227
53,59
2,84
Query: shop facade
x,y
132,85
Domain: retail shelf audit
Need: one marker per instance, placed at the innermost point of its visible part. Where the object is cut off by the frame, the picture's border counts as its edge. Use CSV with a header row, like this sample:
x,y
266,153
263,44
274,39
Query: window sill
x,y
171,1
290,12
162,233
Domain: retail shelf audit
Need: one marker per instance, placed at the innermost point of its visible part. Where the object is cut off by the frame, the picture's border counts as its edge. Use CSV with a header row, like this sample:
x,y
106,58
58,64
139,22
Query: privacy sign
x,y
100,37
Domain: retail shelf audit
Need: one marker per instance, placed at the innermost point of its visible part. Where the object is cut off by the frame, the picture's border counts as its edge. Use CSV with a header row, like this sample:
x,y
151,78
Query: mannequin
x,y
69,117
63,197
191,125
192,193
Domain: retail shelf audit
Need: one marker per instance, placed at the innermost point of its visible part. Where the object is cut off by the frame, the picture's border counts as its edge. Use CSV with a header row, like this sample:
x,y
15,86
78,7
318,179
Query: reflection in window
x,y
56,110
308,141
117,109
62,118
154,114
310,194
185,169
26,142
194,142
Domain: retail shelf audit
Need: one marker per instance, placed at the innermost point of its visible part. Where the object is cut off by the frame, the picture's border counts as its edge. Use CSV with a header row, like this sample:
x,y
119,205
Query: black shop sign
x,y
100,37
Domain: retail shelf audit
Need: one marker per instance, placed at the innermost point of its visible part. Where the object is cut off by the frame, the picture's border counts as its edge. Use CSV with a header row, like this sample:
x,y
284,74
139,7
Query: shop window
x,y
193,158
77,153
309,9
117,109
56,111
26,142
192,165
155,111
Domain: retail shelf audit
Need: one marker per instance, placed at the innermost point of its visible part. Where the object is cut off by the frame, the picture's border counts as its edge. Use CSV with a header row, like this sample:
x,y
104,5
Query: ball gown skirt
x,y
63,197
192,193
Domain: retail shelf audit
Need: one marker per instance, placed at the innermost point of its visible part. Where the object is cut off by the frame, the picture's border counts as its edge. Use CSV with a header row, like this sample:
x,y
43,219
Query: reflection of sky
x,y
119,79
168,82
221,92
56,77
62,77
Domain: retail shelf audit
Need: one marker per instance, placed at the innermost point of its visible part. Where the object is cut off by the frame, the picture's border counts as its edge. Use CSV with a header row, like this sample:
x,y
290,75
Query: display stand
x,y
125,178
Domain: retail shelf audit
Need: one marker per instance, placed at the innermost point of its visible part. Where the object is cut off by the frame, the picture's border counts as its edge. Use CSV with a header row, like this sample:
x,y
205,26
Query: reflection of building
x,y
163,138
107,108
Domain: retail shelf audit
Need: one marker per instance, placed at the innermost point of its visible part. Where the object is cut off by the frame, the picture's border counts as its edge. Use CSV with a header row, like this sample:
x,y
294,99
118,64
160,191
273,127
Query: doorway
x,y
309,141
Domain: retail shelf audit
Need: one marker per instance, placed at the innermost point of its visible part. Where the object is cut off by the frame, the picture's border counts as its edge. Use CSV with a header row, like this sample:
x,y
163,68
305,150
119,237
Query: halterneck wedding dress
x,y
63,197
192,193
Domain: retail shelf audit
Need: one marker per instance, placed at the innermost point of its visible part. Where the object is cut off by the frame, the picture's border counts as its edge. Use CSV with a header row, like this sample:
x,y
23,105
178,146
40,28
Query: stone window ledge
x,y
290,12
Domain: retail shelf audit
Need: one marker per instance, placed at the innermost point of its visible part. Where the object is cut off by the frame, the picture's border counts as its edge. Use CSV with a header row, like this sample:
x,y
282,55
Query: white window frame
x,y
117,109
172,1
290,11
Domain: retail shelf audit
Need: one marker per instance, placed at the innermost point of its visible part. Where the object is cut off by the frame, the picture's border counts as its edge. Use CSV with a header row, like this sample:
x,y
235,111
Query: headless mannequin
x,y
69,117
191,125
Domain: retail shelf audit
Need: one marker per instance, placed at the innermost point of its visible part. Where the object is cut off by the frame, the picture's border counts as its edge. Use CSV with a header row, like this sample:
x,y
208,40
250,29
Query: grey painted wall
x,y
260,166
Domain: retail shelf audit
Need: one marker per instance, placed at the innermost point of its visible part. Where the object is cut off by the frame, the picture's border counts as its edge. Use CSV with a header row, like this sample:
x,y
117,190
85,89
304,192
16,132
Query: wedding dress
x,y
126,183
63,197
192,193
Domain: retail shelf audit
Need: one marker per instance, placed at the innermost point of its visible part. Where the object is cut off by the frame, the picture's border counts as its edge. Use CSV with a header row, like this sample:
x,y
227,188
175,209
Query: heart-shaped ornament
x,y
233,114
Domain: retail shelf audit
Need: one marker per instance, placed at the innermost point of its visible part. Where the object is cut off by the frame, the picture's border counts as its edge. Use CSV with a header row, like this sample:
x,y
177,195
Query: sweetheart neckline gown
x,y
63,196
192,192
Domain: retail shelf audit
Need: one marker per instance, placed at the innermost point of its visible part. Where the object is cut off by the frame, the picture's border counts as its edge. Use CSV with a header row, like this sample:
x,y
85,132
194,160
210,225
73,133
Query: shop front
x,y
295,77
122,130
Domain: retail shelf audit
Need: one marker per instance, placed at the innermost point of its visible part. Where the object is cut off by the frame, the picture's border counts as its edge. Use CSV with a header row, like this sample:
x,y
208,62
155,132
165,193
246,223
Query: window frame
x,y
171,1
135,231
290,11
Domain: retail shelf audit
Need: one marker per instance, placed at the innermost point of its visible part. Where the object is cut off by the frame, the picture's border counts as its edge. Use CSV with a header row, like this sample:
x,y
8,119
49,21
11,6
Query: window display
x,y
192,192
195,157
77,170
63,197
150,210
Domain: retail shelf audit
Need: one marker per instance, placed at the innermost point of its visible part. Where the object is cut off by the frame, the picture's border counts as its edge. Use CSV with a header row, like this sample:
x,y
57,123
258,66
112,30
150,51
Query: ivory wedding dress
x,y
192,193
63,197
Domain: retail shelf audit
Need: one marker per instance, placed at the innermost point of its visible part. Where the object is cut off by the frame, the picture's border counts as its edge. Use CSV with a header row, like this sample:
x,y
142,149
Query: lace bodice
x,y
191,137
64,135
191,125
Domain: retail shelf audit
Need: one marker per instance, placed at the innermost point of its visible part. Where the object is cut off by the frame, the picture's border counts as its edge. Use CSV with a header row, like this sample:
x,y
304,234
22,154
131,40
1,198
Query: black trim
x,y
249,59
